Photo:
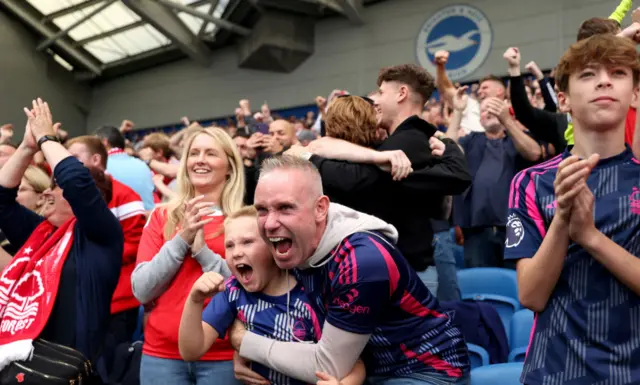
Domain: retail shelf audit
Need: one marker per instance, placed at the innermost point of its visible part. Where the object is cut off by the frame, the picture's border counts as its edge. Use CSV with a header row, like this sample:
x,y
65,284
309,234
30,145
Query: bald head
x,y
284,132
6,150
292,211
299,172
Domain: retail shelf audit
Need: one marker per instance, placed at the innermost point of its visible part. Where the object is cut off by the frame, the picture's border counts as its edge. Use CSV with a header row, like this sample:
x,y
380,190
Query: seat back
x,y
521,325
503,374
488,280
478,356
520,334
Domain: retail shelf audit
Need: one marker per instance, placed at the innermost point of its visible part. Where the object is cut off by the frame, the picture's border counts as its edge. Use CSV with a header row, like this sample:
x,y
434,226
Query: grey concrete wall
x,y
345,57
26,74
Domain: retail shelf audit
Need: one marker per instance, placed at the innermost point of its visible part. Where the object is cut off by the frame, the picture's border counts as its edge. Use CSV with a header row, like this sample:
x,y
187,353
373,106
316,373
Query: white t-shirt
x,y
471,117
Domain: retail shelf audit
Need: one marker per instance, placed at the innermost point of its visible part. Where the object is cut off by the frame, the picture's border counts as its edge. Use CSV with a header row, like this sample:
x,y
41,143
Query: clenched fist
x,y
512,56
208,285
442,57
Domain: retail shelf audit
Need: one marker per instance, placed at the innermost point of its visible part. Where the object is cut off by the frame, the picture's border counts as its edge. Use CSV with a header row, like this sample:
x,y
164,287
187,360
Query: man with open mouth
x,y
375,305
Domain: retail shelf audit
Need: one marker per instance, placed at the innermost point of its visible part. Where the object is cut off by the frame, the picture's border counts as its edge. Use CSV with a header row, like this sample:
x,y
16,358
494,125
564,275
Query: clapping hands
x,y
39,124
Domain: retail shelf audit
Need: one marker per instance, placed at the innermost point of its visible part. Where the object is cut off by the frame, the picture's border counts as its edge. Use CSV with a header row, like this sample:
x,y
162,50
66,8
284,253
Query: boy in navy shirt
x,y
266,299
574,225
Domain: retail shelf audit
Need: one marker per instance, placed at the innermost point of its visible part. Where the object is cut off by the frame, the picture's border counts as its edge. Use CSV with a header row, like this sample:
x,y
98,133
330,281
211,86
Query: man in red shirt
x,y
127,206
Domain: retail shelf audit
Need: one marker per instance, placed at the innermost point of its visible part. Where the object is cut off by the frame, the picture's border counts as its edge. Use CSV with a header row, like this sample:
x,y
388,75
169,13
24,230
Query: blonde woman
x,y
182,240
33,184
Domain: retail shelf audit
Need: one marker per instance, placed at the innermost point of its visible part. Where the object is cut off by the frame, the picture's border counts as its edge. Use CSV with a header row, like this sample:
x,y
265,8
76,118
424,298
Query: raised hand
x,y
255,140
512,56
321,102
441,58
533,68
126,126
271,144
499,108
635,15
40,120
28,141
460,99
195,210
208,285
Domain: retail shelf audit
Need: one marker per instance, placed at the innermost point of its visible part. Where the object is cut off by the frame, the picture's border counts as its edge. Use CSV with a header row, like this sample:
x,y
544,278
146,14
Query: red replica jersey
x,y
127,206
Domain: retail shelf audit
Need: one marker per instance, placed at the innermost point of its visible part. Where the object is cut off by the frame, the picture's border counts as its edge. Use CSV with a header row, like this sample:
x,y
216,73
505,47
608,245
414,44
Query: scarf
x,y
28,289
115,151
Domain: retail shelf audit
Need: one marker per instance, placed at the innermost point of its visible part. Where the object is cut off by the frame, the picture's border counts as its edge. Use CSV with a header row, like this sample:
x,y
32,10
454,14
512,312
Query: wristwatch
x,y
47,138
306,155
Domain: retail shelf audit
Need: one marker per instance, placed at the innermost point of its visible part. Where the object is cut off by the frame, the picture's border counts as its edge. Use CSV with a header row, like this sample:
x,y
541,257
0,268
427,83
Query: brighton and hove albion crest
x,y
462,30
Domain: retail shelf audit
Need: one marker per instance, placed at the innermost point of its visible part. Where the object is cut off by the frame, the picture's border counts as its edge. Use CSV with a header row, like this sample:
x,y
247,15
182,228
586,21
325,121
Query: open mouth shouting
x,y
245,272
281,245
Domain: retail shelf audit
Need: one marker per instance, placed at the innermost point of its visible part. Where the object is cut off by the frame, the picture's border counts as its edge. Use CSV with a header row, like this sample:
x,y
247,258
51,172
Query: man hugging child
x,y
268,300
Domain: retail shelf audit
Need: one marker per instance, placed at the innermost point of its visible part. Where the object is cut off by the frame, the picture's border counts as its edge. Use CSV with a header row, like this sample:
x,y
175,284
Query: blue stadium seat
x,y
138,334
503,374
478,356
496,286
521,325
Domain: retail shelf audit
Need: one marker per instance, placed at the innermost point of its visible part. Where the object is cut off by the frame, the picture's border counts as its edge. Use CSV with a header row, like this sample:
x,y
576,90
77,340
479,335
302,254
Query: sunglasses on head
x,y
366,99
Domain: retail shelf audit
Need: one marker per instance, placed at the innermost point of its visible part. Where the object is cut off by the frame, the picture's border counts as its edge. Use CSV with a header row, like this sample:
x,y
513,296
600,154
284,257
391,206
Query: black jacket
x,y
407,204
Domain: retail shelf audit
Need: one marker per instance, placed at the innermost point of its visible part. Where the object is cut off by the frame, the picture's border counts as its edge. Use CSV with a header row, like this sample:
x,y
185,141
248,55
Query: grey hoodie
x,y
337,350
343,221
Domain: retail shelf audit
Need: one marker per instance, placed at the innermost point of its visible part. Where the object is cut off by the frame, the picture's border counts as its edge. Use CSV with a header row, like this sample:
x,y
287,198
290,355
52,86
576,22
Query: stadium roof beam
x,y
17,8
349,8
221,23
169,24
205,23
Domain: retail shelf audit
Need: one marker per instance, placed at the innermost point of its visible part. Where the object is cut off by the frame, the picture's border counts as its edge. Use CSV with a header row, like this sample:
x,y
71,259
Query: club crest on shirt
x,y
515,231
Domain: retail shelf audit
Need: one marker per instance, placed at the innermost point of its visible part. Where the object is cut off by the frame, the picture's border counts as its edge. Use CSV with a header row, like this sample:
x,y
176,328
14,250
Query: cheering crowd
x,y
321,250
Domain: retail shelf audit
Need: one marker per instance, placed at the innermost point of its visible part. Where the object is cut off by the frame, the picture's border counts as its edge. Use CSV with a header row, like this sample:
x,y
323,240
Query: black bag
x,y
126,365
51,364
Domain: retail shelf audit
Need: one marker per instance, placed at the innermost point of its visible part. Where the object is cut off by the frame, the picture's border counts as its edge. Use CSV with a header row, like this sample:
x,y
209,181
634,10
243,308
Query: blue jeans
x,y
430,279
159,371
418,379
446,266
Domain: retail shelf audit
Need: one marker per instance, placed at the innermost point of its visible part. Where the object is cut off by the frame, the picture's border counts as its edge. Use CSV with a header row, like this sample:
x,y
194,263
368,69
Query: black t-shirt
x,y
61,326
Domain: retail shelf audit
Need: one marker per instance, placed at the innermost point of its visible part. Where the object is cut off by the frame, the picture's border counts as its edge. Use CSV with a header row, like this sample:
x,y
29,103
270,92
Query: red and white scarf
x,y
115,151
28,289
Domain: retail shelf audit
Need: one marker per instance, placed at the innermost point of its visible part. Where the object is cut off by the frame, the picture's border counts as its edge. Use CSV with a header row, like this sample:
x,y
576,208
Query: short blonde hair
x,y
353,119
246,211
37,179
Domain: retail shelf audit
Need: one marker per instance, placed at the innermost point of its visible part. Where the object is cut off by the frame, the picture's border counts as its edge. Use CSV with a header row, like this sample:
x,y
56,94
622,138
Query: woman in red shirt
x,y
181,240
